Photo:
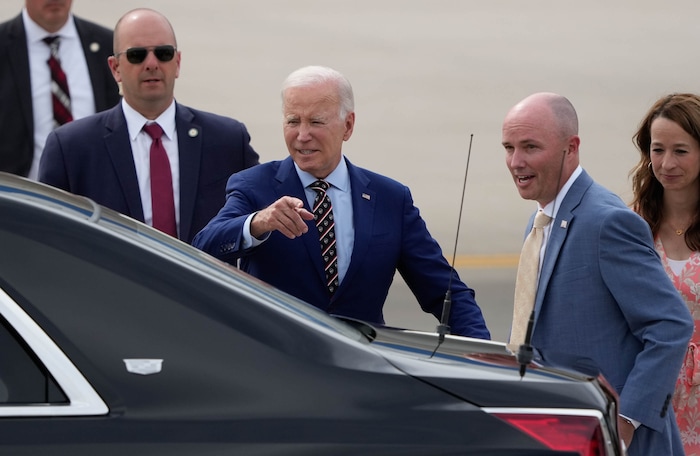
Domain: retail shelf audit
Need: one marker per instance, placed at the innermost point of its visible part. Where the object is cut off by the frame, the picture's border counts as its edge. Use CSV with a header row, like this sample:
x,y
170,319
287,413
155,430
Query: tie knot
x,y
541,220
319,186
53,42
153,130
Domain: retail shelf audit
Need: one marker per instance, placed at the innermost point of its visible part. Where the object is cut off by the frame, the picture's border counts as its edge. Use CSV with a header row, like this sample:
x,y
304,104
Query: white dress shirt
x,y
141,150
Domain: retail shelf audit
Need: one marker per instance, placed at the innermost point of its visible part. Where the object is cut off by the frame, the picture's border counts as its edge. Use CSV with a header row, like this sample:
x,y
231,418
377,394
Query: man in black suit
x,y
26,113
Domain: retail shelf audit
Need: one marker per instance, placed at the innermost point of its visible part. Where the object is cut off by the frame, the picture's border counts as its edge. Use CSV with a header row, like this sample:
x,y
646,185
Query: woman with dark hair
x,y
666,184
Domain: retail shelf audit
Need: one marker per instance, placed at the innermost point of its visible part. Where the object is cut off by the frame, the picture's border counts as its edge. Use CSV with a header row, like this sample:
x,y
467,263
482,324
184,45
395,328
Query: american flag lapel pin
x,y
366,196
564,224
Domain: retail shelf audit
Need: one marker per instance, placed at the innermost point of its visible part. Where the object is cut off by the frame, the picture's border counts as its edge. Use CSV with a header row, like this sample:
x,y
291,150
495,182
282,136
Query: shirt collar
x,y
552,208
135,121
36,33
339,178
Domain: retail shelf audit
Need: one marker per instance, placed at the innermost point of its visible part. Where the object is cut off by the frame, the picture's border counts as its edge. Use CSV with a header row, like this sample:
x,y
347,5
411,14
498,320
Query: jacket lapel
x,y
19,62
189,139
119,149
363,206
558,233
289,184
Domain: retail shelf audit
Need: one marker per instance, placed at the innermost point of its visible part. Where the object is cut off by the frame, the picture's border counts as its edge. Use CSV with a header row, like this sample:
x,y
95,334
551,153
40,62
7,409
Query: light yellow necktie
x,y
526,280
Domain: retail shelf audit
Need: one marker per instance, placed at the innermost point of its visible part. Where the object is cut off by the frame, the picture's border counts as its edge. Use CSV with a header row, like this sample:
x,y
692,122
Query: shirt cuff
x,y
634,423
250,241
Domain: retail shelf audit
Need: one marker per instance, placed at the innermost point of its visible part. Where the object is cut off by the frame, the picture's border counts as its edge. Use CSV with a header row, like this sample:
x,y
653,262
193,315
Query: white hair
x,y
310,75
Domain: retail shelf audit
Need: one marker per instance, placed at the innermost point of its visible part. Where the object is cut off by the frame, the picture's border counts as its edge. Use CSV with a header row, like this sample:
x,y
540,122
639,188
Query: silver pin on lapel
x,y
564,224
366,196
94,46
193,132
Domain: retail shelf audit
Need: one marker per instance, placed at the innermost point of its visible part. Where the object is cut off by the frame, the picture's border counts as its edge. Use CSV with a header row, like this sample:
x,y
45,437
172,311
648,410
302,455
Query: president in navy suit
x,y
106,156
268,224
26,113
603,296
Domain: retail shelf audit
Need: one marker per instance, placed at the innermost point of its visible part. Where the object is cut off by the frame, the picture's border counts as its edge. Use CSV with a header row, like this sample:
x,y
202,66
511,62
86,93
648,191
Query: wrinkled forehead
x,y
311,101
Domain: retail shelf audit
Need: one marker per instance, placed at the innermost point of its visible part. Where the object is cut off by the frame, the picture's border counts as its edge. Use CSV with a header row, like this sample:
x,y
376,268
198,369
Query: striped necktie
x,y
60,95
323,216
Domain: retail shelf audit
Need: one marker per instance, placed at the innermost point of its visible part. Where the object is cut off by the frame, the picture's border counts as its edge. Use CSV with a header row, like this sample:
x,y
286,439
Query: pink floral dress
x,y
687,393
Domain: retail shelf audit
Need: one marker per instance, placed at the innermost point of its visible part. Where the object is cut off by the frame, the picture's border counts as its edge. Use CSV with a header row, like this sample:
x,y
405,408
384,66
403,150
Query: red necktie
x,y
323,215
162,200
60,95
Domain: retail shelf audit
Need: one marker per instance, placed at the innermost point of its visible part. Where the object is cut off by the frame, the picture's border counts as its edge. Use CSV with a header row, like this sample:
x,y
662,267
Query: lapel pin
x,y
366,196
193,132
94,46
564,224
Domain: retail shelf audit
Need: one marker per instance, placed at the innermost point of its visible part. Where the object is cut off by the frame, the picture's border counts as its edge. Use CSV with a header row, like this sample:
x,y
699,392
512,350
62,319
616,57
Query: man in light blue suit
x,y
603,295
267,219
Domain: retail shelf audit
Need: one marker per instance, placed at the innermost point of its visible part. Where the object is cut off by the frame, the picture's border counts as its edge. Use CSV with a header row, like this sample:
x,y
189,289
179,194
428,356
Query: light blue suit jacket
x,y
603,295
390,235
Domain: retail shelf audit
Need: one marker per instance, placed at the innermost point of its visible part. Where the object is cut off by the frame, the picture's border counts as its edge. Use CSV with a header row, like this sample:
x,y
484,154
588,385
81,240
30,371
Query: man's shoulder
x,y
251,177
375,178
89,125
12,26
95,29
207,118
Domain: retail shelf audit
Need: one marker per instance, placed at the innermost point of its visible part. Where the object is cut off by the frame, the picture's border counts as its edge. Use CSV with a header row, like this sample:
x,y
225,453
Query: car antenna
x,y
444,327
526,351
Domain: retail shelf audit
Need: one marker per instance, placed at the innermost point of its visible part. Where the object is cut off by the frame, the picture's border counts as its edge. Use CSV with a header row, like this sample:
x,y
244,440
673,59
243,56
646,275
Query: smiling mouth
x,y
523,179
306,151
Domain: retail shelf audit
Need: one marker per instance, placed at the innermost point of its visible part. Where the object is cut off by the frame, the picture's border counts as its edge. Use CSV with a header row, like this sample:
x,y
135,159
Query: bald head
x,y
138,22
552,109
540,136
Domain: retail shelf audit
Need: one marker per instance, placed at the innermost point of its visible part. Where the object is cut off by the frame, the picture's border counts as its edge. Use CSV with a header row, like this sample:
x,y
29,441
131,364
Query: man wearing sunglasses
x,y
26,112
113,157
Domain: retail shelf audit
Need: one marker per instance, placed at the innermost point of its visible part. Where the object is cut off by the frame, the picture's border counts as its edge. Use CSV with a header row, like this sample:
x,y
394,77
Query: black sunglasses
x,y
136,55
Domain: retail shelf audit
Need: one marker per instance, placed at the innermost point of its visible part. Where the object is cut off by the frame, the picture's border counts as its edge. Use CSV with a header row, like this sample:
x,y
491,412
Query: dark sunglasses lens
x,y
136,55
164,53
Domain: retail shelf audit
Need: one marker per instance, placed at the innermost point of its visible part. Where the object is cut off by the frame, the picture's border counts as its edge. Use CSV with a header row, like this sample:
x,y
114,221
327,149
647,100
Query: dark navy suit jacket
x,y
16,116
92,157
390,235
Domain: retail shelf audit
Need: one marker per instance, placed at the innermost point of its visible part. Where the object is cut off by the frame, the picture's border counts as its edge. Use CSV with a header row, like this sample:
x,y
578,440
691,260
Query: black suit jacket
x,y
16,116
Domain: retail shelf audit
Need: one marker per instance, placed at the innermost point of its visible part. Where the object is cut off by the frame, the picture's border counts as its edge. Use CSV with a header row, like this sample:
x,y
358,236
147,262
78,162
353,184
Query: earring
x,y
649,166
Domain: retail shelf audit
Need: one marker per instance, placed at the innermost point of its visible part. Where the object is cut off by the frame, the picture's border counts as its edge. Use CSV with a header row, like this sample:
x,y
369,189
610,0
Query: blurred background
x,y
427,76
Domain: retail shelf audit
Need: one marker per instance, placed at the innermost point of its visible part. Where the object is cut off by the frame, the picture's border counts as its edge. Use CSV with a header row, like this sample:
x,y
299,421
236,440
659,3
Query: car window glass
x,y
23,379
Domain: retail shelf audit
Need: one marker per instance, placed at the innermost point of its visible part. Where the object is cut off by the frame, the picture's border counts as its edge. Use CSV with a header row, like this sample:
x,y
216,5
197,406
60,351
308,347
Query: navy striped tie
x,y
323,216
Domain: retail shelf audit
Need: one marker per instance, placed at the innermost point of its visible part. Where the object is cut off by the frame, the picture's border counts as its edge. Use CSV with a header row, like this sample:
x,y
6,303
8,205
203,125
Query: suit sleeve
x,y
249,156
655,313
427,273
222,237
52,167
